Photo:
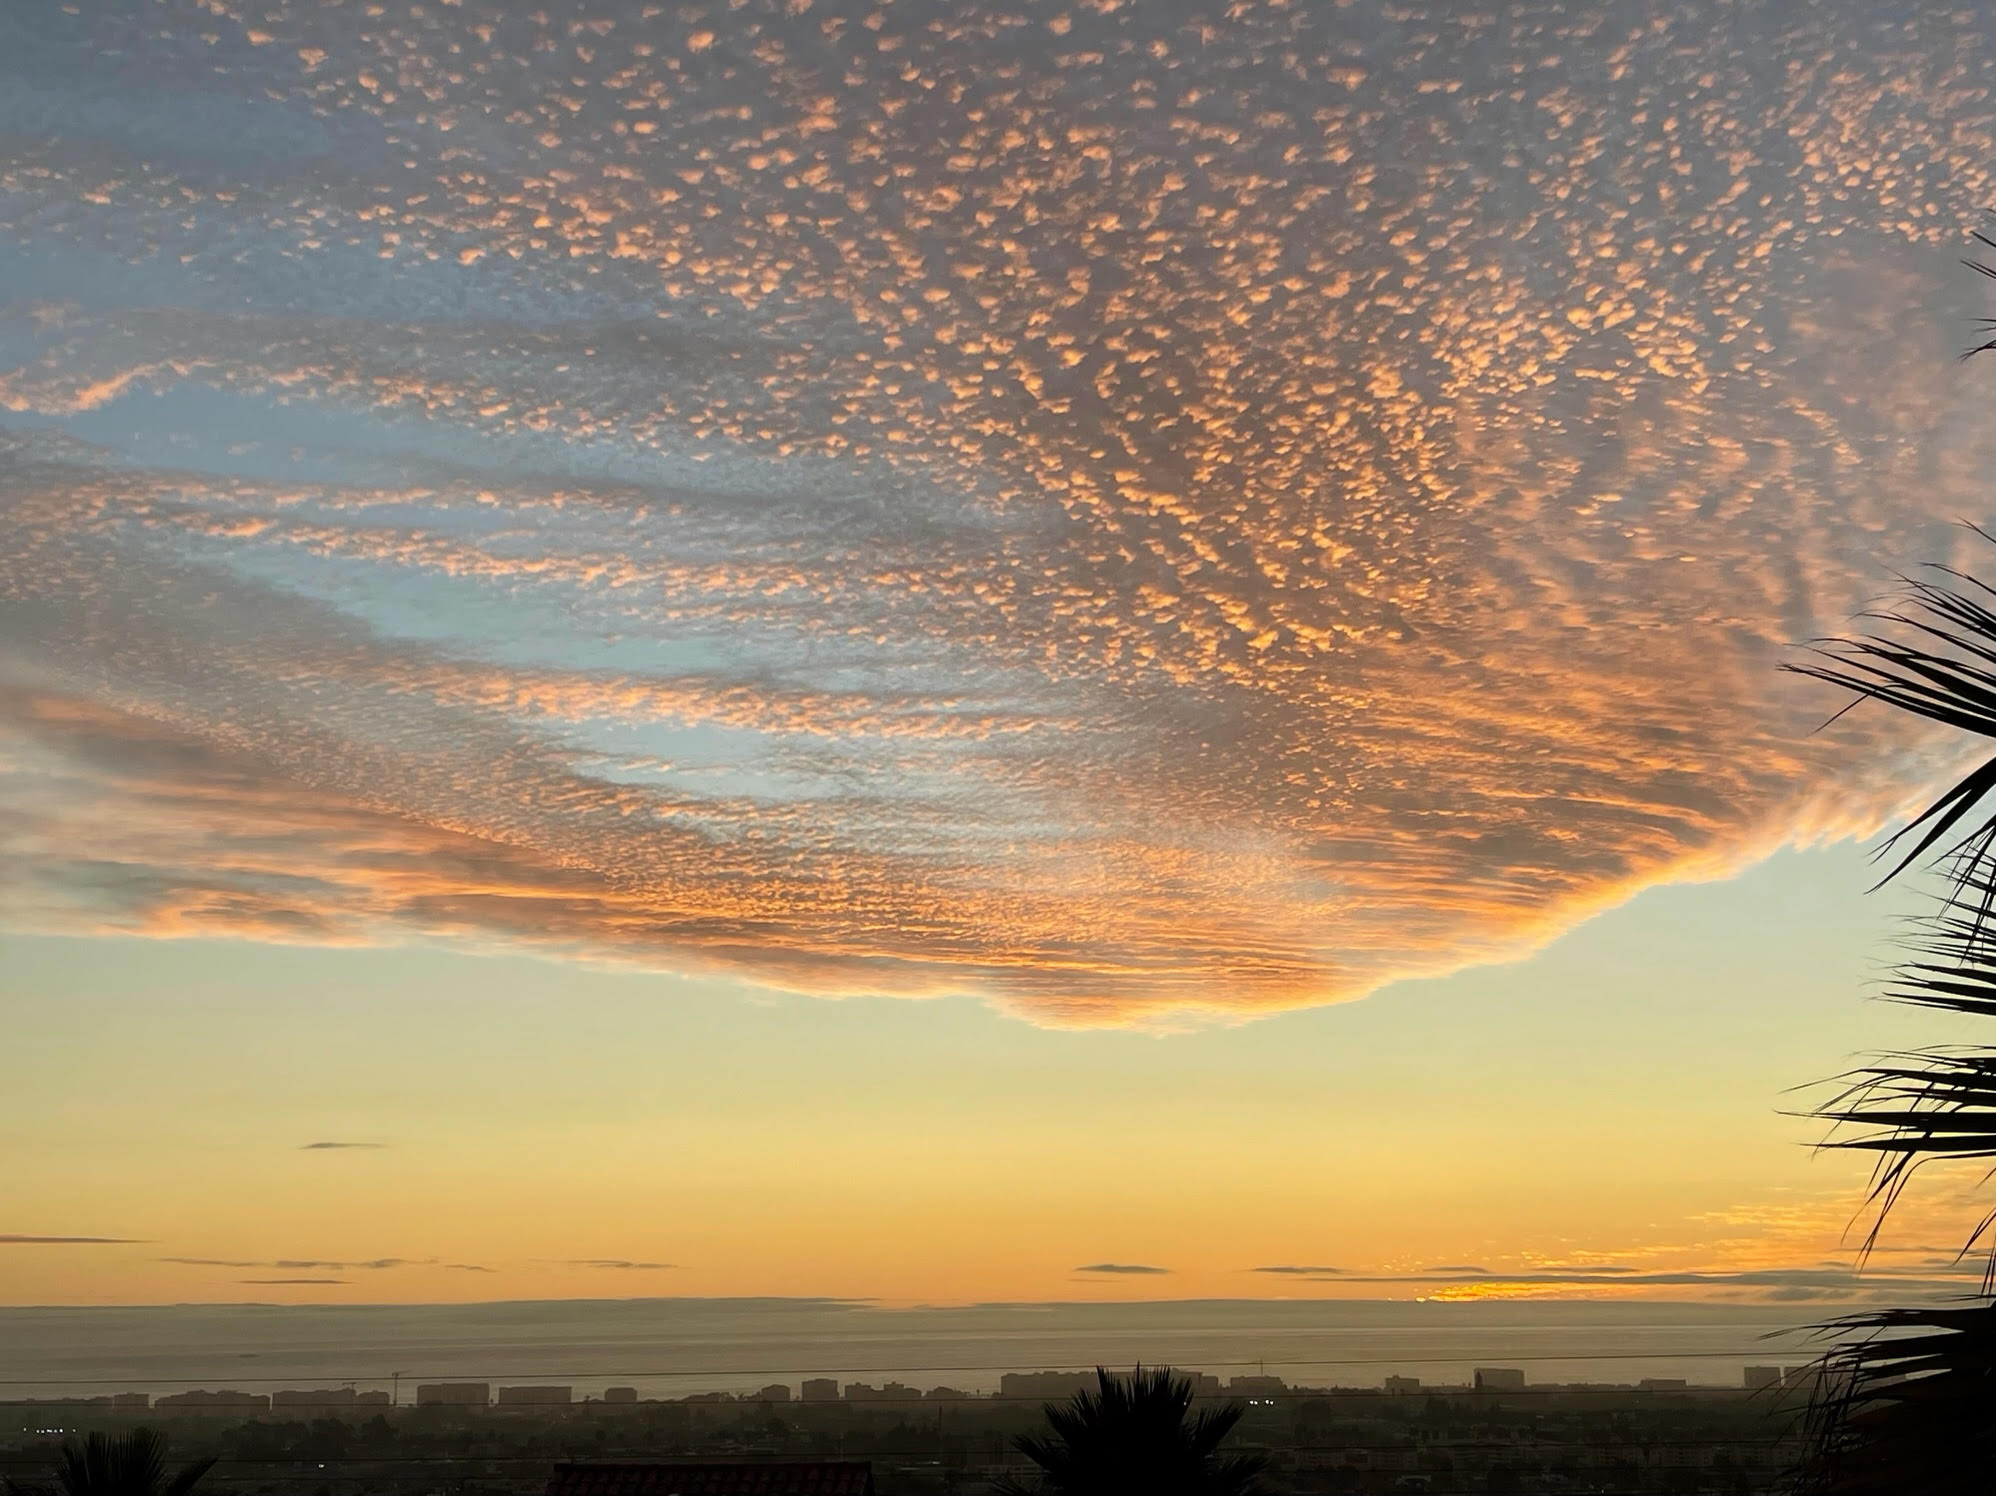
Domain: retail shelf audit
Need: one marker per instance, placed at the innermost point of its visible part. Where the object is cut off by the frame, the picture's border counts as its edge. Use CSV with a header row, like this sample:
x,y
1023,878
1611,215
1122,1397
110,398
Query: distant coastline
x,y
675,1346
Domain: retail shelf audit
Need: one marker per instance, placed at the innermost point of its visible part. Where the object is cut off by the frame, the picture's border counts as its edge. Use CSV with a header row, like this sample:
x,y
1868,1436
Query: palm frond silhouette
x,y
132,1464
1137,1435
1906,1399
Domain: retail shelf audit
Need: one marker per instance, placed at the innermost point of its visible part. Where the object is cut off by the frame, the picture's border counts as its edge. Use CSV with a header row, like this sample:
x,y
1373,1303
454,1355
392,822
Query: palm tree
x,y
131,1464
1906,1401
1136,1436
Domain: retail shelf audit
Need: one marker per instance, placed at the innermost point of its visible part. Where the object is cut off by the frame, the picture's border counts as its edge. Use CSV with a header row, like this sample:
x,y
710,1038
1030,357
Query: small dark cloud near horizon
x,y
1299,1272
12,1240
1122,1267
305,1264
273,1282
468,1267
1457,1268
620,1264
323,1147
1773,1284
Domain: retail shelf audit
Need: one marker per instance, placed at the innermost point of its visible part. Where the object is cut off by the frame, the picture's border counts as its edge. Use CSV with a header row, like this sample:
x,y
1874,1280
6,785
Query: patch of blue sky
x,y
467,618
203,135
60,80
197,427
202,431
723,767
103,258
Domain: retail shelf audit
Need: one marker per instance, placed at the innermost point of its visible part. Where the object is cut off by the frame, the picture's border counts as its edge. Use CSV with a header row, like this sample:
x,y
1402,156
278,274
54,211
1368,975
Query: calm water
x,y
669,1347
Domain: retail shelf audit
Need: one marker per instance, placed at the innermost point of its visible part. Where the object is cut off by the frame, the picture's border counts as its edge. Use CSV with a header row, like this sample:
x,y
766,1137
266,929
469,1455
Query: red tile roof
x,y
774,1478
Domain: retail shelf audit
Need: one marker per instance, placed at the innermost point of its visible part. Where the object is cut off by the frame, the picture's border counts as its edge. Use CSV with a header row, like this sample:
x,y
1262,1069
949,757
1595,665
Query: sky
x,y
960,650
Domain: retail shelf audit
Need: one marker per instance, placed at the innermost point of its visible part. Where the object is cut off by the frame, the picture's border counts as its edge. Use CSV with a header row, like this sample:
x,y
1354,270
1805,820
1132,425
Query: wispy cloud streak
x,y
11,1240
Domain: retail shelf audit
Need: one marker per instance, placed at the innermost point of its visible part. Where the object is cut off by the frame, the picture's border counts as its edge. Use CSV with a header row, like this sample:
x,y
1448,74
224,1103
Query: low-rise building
x,y
454,1395
1255,1387
1047,1386
536,1397
320,1401
235,1404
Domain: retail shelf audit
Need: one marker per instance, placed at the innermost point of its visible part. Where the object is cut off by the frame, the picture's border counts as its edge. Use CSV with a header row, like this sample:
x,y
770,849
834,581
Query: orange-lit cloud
x,y
1173,515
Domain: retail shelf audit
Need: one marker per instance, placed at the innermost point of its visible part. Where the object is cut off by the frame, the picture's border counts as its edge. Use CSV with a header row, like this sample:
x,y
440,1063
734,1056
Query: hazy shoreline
x,y
674,1346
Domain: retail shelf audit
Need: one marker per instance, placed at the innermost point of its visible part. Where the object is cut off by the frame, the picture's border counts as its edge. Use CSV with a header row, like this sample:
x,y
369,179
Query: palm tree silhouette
x,y
131,1464
1906,1401
1137,1436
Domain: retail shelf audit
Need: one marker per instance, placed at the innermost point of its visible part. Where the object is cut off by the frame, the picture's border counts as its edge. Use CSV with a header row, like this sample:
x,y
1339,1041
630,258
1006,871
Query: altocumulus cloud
x,y
833,555
1136,1268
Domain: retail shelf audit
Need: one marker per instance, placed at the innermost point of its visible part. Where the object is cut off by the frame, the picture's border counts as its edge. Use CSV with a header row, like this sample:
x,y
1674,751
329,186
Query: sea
x,y
673,1347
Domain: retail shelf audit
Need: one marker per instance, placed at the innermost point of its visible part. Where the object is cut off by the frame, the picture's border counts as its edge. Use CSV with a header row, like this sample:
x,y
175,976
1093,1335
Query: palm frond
x,y
1945,673
132,1464
1904,1405
1135,1435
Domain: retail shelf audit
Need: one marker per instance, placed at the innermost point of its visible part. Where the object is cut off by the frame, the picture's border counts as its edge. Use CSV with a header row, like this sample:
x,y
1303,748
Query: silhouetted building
x,y
536,1397
321,1400
1497,1379
730,1478
620,1394
231,1403
453,1394
1403,1384
775,1392
1252,1387
945,1395
861,1392
1758,1377
820,1389
1049,1386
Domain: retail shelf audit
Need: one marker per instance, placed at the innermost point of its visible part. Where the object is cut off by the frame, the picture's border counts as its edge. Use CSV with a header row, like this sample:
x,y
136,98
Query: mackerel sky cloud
x,y
1134,511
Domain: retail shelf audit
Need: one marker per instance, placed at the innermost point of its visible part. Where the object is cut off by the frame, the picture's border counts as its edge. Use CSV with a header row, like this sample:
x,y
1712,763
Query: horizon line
x,y
892,1305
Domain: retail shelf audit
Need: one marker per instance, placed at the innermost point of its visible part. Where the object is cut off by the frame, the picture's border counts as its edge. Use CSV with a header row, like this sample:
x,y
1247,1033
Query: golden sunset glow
x,y
1117,519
